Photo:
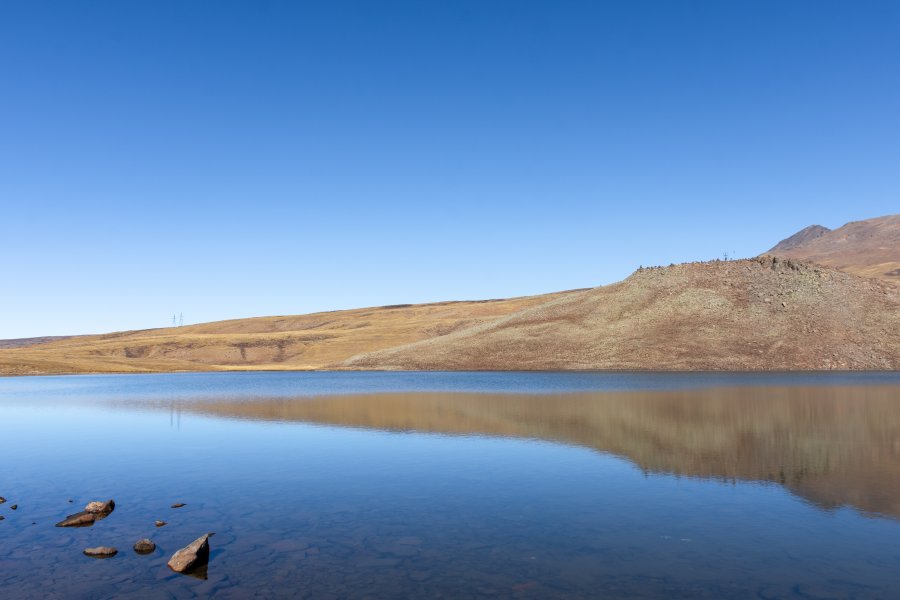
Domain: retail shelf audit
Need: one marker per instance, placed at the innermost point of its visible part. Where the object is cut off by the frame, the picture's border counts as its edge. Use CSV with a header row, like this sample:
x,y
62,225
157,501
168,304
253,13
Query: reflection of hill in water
x,y
832,446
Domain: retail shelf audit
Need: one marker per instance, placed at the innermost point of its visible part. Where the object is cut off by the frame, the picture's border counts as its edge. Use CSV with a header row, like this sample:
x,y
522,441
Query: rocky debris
x,y
101,552
100,508
178,505
160,523
144,546
192,556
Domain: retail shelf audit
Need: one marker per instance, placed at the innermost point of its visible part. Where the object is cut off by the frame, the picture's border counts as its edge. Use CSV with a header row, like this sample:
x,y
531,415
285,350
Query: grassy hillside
x,y
759,314
276,343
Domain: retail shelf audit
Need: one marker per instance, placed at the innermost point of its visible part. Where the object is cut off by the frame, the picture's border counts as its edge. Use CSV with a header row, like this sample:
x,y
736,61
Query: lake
x,y
456,485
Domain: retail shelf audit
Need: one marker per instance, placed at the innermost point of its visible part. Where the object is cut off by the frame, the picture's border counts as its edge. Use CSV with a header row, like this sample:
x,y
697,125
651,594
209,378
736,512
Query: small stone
x,y
100,508
14,507
144,546
195,554
101,552
2,499
179,505
160,523
784,304
2,517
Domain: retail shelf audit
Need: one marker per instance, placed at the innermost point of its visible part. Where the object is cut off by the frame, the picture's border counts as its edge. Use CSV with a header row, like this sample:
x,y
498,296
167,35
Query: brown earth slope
x,y
804,236
758,314
276,343
869,248
22,342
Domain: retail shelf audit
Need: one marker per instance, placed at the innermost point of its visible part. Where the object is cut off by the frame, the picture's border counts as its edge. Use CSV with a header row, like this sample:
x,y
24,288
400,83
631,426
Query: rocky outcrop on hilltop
x,y
755,314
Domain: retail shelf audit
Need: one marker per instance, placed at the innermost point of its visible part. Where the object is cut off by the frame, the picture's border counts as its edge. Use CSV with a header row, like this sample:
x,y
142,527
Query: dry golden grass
x,y
755,314
761,314
300,342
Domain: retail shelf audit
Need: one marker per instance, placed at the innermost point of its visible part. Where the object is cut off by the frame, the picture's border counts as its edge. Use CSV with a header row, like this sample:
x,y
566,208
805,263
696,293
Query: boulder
x,y
178,505
101,552
14,507
160,523
82,519
144,546
93,511
192,556
100,508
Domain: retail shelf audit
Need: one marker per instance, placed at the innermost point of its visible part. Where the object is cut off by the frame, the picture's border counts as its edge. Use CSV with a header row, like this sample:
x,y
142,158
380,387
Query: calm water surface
x,y
456,485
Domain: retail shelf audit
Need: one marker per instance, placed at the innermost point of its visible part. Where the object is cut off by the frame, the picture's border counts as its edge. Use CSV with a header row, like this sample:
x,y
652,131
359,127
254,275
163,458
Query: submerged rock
x,y
100,508
93,511
82,519
178,505
144,546
192,556
101,552
160,523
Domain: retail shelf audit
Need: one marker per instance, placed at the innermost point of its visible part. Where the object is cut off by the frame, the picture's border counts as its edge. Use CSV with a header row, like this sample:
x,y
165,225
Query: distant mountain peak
x,y
802,237
868,248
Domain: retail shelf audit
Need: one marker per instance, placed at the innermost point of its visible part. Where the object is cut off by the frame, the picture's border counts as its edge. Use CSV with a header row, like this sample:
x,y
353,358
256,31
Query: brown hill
x,y
868,248
759,314
34,341
804,236
311,341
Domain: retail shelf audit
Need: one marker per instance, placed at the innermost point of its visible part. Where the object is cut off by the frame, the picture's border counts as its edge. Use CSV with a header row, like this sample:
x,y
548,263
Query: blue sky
x,y
233,159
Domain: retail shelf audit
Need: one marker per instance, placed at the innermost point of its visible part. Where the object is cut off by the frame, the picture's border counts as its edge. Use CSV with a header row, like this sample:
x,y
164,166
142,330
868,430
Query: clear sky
x,y
232,159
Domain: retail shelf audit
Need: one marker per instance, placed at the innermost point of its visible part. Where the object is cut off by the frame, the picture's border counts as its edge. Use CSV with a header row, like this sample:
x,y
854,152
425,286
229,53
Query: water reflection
x,y
833,446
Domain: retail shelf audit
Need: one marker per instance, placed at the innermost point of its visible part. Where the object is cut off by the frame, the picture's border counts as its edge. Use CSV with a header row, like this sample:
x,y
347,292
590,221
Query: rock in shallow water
x,y
101,552
144,546
192,556
93,511
82,519
178,505
100,508
14,506
160,523
2,499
